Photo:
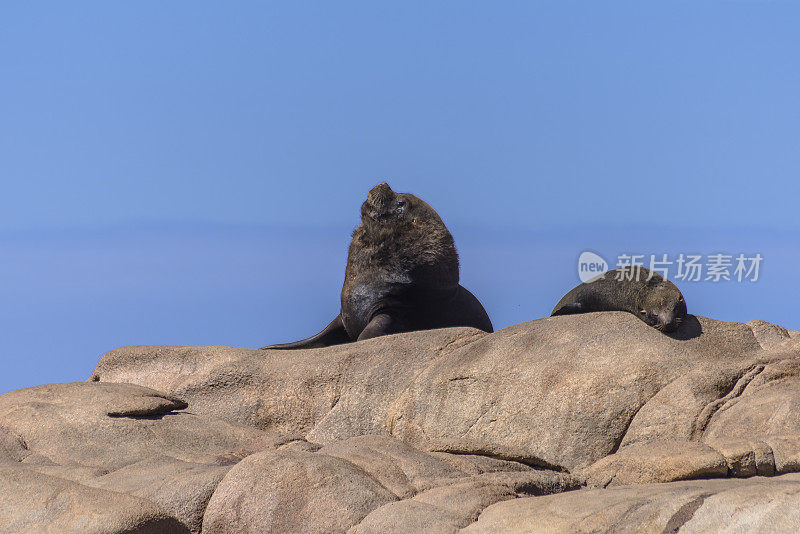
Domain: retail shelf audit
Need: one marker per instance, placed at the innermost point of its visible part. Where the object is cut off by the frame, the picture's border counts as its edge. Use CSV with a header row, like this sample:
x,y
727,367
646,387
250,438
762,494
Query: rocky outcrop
x,y
572,423
31,501
722,505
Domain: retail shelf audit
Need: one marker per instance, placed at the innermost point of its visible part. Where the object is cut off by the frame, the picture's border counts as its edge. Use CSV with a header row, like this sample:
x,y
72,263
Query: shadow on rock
x,y
689,329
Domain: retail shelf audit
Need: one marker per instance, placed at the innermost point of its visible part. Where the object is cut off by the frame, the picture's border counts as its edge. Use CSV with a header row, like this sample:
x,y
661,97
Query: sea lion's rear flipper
x,y
579,299
333,334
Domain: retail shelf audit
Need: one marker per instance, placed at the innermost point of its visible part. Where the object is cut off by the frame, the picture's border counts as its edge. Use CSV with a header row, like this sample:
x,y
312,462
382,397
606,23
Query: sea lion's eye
x,y
401,204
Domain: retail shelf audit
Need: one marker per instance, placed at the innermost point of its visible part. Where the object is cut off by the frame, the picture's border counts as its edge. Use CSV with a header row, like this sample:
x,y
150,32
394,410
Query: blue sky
x,y
189,172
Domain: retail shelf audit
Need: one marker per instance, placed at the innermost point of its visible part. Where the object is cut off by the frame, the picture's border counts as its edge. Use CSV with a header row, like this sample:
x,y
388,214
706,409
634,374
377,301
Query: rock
x,y
369,484
181,488
124,438
69,424
660,461
683,408
457,390
397,466
346,388
768,335
293,491
785,452
12,448
407,516
535,482
746,458
455,498
33,502
442,510
463,400
762,409
429,431
466,500
734,505
474,464
759,505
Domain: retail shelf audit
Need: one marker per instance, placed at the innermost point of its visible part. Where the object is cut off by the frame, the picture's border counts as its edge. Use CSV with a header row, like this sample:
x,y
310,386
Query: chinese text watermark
x,y
717,267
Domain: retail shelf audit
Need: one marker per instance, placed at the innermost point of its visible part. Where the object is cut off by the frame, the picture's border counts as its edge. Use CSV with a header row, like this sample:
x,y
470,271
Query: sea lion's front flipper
x,y
333,334
380,325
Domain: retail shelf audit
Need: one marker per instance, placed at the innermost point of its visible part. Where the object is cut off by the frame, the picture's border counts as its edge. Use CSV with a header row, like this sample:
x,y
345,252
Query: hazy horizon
x,y
72,296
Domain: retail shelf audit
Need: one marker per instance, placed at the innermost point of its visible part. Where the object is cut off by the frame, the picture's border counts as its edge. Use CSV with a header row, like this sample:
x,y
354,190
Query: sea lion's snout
x,y
381,203
380,194
673,318
669,319
668,322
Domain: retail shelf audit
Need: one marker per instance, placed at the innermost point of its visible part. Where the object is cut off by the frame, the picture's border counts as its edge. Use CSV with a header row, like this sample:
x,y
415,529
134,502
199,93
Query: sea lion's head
x,y
385,206
401,229
663,306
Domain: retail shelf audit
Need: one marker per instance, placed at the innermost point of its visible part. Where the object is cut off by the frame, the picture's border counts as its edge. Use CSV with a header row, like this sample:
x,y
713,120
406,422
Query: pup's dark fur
x,y
647,295
401,275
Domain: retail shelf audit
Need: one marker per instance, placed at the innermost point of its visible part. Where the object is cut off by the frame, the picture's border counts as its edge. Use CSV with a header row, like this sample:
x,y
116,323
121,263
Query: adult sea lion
x,y
647,295
401,275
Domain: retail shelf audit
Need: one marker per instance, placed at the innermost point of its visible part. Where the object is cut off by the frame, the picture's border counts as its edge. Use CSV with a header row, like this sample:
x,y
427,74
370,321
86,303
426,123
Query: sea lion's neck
x,y
423,254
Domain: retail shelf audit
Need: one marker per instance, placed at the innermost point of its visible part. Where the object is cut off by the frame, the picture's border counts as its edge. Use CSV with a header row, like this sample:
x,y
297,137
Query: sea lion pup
x,y
401,275
647,295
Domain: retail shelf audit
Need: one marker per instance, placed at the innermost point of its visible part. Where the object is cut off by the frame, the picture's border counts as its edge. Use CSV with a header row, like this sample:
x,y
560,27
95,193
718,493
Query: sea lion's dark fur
x,y
647,295
401,275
